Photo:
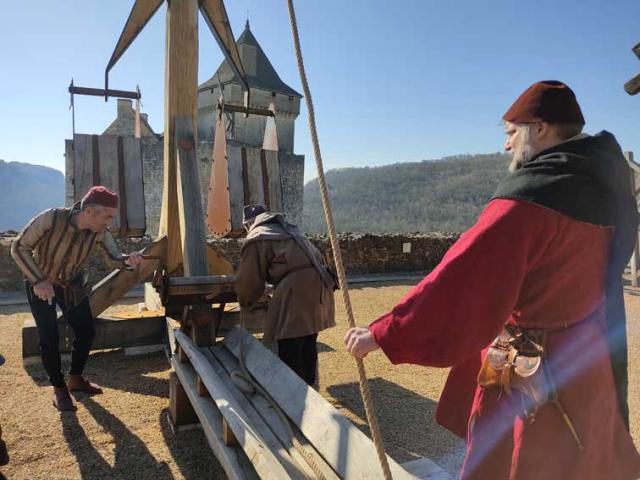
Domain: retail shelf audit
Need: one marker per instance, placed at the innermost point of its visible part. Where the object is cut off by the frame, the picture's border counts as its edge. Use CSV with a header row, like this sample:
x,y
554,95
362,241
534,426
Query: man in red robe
x,y
532,291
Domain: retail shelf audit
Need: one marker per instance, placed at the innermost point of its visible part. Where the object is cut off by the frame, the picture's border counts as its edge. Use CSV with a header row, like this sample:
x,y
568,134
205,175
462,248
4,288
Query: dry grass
x,y
124,434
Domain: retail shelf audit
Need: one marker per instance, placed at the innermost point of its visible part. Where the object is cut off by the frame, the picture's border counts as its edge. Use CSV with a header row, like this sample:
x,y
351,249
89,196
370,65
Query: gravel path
x,y
124,434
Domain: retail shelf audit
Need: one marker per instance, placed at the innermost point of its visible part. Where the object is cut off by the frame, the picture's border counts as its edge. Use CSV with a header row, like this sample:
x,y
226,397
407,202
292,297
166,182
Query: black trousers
x,y
301,355
81,321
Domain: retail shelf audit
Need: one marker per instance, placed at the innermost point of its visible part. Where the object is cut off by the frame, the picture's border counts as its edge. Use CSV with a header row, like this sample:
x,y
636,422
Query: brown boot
x,y
77,383
62,400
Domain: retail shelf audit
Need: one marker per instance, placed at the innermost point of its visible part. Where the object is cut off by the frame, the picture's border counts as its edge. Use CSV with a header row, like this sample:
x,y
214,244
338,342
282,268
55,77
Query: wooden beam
x,y
218,263
115,285
349,451
633,86
191,213
270,416
180,410
181,99
257,447
227,435
110,332
234,461
270,427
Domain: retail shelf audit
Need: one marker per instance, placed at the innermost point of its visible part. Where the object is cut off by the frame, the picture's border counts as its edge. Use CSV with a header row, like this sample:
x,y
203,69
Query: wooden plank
x,y
192,231
113,287
420,468
108,152
109,333
218,263
82,165
349,452
134,185
254,176
236,187
181,99
281,449
233,460
632,87
180,409
272,172
264,460
271,418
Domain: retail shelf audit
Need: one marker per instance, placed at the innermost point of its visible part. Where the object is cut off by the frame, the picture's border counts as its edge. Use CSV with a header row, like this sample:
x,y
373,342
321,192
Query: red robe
x,y
529,265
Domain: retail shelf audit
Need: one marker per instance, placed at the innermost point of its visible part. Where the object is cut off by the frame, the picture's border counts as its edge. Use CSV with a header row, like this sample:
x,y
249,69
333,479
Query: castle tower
x,y
265,87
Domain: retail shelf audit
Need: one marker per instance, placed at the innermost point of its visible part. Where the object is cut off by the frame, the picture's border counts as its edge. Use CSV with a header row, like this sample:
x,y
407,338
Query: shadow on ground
x,y
397,409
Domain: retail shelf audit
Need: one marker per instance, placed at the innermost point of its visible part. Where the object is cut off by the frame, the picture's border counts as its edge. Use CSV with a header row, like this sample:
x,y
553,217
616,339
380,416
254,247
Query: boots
x,y
62,400
77,383
4,455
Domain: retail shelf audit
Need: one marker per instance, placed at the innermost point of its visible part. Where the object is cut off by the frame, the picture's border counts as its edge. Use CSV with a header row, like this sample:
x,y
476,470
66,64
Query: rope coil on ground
x,y
337,256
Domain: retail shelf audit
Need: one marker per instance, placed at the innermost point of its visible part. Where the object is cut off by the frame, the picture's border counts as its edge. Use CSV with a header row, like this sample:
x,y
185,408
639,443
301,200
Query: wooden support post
x,y
182,357
181,90
200,388
191,213
180,410
227,435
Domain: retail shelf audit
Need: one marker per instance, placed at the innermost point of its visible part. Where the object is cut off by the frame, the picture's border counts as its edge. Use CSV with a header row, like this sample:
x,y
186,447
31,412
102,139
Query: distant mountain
x,y
430,196
26,190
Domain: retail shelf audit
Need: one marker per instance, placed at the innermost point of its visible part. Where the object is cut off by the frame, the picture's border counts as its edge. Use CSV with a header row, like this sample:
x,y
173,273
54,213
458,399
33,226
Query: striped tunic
x,y
51,247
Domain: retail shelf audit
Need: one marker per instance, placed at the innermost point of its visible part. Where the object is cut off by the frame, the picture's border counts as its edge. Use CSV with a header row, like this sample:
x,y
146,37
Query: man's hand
x,y
44,291
133,259
359,342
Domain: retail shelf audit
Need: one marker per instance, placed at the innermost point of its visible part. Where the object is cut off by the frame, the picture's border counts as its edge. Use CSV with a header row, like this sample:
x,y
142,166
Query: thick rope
x,y
337,256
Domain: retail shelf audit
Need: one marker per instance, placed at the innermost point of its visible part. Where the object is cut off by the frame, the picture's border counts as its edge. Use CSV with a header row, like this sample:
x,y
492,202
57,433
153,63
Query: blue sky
x,y
392,81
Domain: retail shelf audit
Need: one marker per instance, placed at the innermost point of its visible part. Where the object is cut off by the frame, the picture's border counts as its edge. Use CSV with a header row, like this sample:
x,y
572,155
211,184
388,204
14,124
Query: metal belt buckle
x,y
526,366
497,357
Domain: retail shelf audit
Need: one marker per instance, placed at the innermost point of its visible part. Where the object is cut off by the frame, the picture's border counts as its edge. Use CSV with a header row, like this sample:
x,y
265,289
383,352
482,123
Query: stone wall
x,y
361,254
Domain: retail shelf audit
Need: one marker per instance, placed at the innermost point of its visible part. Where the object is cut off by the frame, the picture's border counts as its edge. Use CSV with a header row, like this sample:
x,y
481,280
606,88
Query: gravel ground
x,y
124,434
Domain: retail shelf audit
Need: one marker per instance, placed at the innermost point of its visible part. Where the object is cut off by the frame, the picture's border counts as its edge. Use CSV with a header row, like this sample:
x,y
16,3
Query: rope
x,y
337,256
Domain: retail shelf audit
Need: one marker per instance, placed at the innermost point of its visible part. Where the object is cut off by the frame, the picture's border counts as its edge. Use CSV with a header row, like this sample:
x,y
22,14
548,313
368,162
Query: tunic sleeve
x,y
251,274
460,307
110,250
25,243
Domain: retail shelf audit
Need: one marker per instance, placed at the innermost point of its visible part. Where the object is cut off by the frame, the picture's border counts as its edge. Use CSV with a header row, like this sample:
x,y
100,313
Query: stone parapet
x,y
362,254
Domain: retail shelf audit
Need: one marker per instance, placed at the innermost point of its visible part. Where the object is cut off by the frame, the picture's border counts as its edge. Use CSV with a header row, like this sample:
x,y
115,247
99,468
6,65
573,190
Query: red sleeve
x,y
461,306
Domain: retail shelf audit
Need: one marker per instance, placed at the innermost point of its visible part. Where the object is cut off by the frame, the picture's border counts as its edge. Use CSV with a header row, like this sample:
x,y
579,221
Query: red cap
x,y
100,195
547,101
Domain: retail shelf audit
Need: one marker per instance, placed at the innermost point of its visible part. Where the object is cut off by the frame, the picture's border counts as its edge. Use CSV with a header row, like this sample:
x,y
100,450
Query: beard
x,y
523,152
520,156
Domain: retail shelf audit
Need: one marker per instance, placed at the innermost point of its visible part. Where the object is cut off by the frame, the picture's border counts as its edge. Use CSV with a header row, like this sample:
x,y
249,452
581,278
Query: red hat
x,y
547,101
100,195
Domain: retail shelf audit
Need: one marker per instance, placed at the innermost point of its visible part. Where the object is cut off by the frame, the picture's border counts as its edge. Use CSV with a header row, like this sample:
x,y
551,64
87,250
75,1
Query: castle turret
x,y
265,87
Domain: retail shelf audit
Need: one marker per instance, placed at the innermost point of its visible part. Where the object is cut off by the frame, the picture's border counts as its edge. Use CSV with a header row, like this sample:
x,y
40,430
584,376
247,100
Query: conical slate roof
x,y
260,73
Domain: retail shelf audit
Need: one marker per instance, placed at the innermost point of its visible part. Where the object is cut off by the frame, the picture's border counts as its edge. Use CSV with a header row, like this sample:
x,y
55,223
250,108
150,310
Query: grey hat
x,y
252,211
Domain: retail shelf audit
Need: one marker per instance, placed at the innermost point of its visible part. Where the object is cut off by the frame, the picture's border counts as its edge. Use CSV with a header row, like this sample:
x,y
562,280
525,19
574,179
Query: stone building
x,y
265,87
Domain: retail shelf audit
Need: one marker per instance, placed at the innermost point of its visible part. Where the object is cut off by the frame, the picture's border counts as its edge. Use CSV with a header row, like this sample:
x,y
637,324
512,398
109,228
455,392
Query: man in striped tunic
x,y
51,251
